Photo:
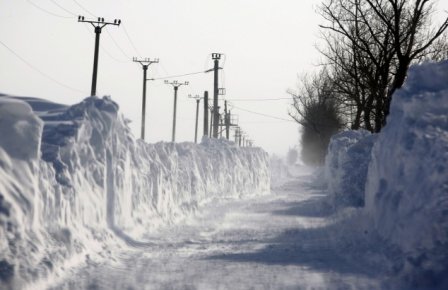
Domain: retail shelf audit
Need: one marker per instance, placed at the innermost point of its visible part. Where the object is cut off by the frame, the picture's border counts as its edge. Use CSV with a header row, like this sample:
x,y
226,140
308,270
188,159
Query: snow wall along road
x,y
73,177
399,177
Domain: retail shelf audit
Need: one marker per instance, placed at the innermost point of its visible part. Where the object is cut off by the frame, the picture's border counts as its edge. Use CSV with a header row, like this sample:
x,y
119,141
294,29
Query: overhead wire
x,y
63,8
130,40
117,45
258,100
261,114
47,11
83,8
178,76
39,71
107,52
110,35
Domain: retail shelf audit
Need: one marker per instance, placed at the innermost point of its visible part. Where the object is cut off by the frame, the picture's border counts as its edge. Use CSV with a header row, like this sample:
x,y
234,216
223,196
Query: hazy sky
x,y
266,44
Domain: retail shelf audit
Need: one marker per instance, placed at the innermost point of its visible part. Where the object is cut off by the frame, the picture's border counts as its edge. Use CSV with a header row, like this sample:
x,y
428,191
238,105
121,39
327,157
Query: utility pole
x,y
98,25
221,125
238,136
145,64
205,113
198,99
176,86
216,57
211,122
227,120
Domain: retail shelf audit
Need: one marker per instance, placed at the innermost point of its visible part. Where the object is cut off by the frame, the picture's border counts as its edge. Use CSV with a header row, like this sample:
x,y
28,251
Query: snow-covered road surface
x,y
283,240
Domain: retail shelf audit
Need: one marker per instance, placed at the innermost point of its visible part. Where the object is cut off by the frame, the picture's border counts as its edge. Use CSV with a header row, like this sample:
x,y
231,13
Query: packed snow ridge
x,y
73,177
399,177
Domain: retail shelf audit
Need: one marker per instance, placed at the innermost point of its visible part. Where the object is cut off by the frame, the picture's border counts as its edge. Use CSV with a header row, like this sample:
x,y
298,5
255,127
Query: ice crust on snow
x,y
402,176
72,177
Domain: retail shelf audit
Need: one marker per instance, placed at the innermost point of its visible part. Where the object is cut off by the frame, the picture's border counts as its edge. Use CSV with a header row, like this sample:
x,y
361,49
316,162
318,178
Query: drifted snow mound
x,y
72,178
407,186
346,165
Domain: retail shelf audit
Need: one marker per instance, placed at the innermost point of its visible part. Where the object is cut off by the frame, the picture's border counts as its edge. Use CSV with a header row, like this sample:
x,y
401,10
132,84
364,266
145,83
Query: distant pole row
x,y
218,122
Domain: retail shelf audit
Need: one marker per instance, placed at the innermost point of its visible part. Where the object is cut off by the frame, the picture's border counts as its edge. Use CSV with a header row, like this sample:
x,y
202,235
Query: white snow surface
x,y
407,185
401,176
346,165
73,177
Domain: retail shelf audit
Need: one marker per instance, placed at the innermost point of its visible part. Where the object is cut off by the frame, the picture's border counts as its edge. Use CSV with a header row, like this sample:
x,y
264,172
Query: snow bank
x,y
346,166
403,174
407,186
74,177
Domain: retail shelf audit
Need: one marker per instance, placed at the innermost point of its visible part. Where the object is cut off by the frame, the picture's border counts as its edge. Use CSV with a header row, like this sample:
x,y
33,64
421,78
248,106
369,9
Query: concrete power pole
x,y
227,120
176,86
98,25
205,113
145,64
198,99
216,57
211,122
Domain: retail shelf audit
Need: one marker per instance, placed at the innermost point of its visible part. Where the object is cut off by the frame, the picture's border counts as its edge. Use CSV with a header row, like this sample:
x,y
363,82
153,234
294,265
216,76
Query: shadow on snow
x,y
334,247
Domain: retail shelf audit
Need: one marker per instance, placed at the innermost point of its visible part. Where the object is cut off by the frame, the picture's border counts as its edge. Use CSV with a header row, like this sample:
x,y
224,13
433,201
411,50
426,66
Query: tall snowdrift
x,y
346,167
74,177
407,186
401,174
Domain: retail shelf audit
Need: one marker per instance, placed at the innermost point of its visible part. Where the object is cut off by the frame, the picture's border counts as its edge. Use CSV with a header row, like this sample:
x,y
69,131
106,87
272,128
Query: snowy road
x,y
284,240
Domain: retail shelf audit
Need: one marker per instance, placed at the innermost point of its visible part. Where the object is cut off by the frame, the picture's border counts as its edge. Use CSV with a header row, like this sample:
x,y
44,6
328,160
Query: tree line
x,y
368,47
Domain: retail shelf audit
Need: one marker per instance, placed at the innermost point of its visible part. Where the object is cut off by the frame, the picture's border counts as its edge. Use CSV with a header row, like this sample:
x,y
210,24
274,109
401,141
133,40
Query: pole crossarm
x,y
99,22
145,62
176,84
196,97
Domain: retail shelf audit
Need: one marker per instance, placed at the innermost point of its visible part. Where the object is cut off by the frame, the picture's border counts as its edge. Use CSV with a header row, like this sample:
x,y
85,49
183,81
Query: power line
x,y
39,71
108,52
258,100
60,6
261,114
130,40
118,46
46,11
176,76
113,57
83,8
110,35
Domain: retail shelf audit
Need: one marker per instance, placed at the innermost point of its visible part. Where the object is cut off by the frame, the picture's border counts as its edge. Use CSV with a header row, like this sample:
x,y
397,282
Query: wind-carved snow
x,y
407,185
72,178
401,176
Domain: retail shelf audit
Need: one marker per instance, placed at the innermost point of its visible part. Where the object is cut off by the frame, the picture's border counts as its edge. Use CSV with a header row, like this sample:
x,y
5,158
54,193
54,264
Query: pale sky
x,y
266,44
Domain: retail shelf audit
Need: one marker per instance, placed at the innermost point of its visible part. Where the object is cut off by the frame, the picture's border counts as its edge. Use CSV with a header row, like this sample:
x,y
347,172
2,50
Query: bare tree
x,y
370,45
316,109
